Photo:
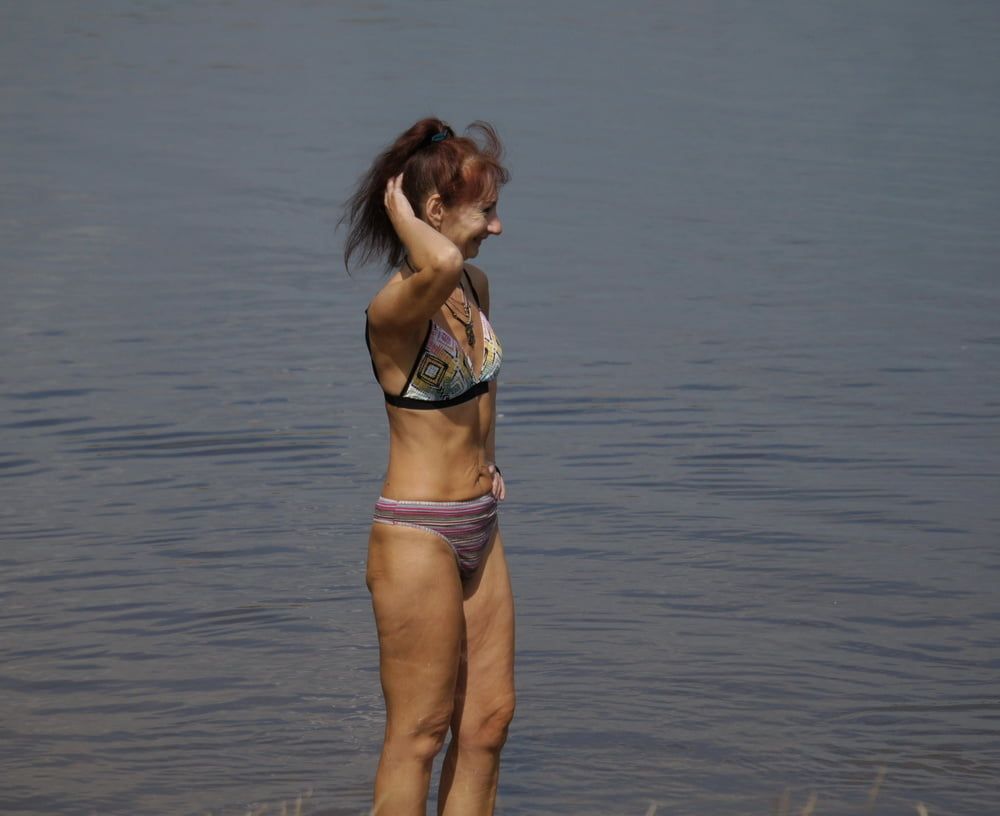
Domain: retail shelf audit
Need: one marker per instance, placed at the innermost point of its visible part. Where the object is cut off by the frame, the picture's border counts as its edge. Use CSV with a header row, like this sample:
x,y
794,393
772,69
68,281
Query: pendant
x,y
470,334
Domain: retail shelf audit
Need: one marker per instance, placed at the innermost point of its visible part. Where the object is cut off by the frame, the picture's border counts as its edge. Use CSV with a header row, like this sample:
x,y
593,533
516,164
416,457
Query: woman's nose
x,y
495,227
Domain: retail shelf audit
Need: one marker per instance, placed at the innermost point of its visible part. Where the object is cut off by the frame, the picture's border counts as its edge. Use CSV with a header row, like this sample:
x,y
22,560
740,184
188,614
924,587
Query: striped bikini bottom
x,y
466,526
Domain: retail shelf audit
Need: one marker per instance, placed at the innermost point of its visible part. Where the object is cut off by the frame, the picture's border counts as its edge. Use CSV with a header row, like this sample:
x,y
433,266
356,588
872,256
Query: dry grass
x,y
783,806
284,809
784,803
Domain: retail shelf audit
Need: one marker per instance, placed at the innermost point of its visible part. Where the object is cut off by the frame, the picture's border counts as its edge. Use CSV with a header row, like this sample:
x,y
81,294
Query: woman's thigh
x,y
486,685
417,599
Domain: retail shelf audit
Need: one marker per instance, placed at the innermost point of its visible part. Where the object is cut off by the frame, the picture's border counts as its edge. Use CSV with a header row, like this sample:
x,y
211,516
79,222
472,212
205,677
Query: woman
x,y
436,567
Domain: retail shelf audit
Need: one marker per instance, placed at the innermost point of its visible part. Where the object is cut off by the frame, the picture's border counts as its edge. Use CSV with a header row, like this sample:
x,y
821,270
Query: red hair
x,y
432,159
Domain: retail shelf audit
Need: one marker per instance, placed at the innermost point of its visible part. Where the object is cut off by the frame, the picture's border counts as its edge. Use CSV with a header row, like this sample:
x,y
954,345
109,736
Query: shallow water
x,y
749,414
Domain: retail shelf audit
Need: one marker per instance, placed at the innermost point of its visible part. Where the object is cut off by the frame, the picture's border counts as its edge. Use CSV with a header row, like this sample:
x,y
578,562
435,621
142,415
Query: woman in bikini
x,y
436,567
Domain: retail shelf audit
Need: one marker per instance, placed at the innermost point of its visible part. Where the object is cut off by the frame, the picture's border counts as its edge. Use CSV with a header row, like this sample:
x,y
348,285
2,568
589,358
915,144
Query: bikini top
x,y
443,374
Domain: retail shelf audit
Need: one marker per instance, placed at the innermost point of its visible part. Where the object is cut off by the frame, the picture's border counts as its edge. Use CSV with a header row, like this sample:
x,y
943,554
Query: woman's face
x,y
468,225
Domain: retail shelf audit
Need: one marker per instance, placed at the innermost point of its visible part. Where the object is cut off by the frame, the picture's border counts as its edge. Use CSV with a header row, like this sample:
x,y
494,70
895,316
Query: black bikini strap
x,y
473,288
431,405
368,343
416,362
419,357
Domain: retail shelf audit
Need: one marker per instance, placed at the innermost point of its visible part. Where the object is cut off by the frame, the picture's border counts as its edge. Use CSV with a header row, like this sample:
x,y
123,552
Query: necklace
x,y
465,318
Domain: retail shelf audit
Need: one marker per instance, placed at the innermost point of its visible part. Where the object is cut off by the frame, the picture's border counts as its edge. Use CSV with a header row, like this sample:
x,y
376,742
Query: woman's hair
x,y
461,169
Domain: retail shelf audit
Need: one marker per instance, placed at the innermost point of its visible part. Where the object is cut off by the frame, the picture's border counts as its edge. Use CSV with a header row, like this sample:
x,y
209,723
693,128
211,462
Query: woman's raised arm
x,y
434,266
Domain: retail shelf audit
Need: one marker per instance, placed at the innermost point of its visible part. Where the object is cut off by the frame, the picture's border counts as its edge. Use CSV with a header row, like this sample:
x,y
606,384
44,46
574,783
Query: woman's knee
x,y
423,739
488,730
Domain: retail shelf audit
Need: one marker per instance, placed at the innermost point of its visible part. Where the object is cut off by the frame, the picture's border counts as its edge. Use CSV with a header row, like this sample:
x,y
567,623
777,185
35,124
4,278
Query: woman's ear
x,y
434,210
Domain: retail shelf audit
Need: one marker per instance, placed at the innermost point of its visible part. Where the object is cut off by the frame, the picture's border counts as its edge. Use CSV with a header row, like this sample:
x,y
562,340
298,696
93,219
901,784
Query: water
x,y
749,415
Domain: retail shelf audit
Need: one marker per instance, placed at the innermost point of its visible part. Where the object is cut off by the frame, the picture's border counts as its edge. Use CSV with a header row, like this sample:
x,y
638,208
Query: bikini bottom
x,y
466,526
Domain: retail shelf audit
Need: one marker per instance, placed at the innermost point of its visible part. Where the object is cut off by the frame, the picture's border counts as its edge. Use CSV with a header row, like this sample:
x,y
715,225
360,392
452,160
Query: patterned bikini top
x,y
443,374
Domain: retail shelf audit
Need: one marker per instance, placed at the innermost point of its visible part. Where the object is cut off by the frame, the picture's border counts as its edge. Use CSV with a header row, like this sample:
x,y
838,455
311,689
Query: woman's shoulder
x,y
388,303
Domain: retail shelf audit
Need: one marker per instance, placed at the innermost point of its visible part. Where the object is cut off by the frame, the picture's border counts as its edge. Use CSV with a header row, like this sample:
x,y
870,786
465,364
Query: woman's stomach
x,y
437,457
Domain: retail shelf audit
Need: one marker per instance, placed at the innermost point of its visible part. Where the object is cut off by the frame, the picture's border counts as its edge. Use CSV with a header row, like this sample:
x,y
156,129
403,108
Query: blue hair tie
x,y
440,137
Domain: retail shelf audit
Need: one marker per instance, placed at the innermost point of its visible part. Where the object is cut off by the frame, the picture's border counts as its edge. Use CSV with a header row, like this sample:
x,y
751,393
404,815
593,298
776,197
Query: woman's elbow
x,y
448,262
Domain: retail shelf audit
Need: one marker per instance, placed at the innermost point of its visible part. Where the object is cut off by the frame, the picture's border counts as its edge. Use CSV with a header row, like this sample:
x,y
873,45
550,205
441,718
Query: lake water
x,y
749,415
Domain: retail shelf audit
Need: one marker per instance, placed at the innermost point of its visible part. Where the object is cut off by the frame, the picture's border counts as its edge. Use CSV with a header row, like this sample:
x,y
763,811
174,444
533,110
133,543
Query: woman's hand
x,y
498,489
397,205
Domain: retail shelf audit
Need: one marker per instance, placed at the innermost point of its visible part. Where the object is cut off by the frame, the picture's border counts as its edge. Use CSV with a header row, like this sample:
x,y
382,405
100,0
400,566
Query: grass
x,y
783,805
